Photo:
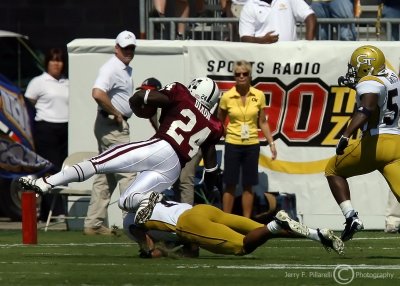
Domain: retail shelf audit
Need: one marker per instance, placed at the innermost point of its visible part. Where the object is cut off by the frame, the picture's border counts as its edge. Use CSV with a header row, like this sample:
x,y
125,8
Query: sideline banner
x,y
16,143
16,160
306,108
14,117
307,113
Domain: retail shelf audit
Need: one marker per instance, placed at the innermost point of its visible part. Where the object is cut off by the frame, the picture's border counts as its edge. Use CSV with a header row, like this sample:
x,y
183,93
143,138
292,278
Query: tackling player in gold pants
x,y
210,228
215,230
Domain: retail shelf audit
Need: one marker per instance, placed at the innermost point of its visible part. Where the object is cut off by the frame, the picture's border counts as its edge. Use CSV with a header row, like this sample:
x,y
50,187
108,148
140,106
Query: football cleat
x,y
37,185
353,224
391,228
146,207
330,241
286,222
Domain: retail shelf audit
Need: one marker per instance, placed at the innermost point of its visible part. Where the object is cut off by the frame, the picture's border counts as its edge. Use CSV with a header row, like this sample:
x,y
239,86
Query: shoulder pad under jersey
x,y
371,77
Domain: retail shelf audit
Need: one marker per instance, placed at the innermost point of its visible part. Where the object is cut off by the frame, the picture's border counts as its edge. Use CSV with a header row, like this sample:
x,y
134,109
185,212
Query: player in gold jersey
x,y
377,116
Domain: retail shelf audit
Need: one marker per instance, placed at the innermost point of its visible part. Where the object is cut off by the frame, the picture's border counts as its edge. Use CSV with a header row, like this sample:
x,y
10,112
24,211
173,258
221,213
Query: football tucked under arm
x,y
139,108
145,111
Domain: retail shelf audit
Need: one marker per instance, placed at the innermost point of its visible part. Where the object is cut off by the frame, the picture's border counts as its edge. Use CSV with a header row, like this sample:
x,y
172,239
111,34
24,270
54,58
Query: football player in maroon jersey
x,y
186,124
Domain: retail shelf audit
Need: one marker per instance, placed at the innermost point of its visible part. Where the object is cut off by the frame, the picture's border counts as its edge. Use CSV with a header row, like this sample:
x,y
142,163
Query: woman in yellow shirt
x,y
244,105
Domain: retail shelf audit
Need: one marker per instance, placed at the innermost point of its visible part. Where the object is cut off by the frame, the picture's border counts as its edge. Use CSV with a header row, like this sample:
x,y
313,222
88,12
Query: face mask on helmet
x,y
365,60
205,90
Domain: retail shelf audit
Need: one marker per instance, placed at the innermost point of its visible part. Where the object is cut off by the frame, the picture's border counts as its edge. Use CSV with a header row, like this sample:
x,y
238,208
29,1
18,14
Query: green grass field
x,y
70,258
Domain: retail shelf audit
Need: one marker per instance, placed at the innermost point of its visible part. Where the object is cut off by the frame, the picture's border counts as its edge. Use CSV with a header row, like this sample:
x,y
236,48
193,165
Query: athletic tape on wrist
x,y
146,95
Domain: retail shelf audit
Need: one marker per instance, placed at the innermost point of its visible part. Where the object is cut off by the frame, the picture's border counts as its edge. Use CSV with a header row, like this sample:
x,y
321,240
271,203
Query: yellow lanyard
x,y
246,105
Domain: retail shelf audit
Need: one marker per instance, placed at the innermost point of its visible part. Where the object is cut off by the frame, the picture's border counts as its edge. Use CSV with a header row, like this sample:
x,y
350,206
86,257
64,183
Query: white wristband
x,y
146,95
211,170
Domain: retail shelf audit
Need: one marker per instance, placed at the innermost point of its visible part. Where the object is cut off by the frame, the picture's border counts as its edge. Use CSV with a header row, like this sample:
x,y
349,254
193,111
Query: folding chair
x,y
65,190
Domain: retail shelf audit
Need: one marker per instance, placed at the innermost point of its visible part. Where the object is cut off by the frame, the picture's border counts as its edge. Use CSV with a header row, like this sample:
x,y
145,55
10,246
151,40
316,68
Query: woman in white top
x,y
49,94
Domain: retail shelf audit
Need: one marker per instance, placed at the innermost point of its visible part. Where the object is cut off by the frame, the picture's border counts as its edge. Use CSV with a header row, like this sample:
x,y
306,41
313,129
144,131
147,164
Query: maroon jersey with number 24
x,y
186,124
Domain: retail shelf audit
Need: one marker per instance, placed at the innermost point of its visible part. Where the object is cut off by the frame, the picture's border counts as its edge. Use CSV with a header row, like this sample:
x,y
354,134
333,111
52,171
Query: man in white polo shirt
x,y
269,21
112,89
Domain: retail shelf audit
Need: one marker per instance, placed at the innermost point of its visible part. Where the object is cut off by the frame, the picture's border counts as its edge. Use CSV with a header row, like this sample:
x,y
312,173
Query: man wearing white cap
x,y
112,89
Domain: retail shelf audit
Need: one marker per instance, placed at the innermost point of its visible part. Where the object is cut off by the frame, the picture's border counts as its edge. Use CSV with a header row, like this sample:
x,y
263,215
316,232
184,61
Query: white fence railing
x,y
224,28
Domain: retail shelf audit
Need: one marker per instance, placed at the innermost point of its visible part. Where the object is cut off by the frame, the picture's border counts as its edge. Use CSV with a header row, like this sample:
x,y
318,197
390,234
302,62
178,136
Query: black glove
x,y
341,145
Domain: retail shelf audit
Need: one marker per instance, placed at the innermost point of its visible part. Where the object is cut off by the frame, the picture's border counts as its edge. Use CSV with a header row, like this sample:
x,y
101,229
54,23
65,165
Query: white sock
x,y
313,234
347,208
274,227
76,173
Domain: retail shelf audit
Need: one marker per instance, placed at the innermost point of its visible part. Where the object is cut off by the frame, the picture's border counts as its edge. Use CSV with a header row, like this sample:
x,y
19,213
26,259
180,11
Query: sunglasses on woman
x,y
238,74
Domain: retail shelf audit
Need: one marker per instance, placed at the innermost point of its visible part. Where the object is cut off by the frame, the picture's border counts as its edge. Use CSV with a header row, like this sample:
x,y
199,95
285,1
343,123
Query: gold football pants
x,y
215,230
370,153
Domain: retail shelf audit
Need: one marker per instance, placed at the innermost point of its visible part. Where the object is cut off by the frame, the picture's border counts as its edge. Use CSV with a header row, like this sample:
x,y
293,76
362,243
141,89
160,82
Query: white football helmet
x,y
205,90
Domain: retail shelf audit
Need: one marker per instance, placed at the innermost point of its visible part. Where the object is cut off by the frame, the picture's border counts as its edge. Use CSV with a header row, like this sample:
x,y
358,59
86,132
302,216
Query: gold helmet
x,y
365,60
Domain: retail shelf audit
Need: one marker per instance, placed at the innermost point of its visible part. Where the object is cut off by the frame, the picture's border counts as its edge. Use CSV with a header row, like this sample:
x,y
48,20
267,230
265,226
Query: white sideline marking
x,y
71,244
132,243
245,267
310,266
296,266
51,263
377,238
